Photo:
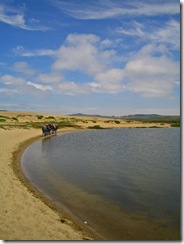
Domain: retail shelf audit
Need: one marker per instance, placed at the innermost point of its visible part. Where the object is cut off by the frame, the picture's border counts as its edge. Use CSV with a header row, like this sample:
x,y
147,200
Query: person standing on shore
x,y
44,130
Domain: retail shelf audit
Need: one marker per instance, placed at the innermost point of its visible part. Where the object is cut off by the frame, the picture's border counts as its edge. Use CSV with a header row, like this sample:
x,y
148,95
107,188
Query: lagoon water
x,y
121,184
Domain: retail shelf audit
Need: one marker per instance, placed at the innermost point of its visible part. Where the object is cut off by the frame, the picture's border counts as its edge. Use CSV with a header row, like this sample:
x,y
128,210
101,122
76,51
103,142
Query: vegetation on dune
x,y
50,118
36,121
6,118
176,124
24,115
39,116
113,121
174,121
117,122
2,120
14,118
3,117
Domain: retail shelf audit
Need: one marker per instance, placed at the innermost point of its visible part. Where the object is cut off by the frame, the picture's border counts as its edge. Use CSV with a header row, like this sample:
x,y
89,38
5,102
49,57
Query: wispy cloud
x,y
169,34
21,51
136,29
112,9
23,67
9,92
16,17
40,86
15,84
52,78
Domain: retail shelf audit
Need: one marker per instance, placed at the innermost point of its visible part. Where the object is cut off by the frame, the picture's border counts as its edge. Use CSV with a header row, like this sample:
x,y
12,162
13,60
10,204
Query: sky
x,y
107,57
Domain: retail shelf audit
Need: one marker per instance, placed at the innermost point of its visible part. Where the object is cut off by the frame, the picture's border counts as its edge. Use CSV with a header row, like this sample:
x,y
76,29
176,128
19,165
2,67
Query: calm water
x,y
124,182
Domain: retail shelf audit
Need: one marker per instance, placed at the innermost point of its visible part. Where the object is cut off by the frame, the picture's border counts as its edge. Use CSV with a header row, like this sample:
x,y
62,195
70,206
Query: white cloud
x,y
113,9
152,76
11,80
170,34
152,66
21,51
109,81
151,72
43,88
9,92
136,29
167,35
81,52
153,87
51,78
72,88
23,67
16,18
13,84
9,17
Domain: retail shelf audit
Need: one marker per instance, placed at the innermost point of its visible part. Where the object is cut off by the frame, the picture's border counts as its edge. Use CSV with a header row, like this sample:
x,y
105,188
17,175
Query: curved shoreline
x,y
25,213
53,224
19,172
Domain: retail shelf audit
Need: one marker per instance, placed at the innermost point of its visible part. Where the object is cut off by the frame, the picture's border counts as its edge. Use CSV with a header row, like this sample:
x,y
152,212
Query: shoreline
x,y
24,199
64,217
20,197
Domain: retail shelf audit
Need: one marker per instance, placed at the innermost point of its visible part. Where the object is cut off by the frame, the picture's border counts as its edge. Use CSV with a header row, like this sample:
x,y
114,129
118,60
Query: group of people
x,y
49,129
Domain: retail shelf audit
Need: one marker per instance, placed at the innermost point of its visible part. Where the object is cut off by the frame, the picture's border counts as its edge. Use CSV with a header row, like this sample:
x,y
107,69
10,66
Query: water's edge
x,y
65,215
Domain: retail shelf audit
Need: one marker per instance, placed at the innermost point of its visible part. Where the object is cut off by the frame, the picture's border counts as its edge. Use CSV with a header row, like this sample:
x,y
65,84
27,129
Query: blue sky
x,y
109,57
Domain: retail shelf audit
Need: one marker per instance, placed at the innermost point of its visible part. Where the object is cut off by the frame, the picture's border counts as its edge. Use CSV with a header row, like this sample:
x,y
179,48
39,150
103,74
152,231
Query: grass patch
x,y
14,118
172,120
117,122
50,118
175,125
3,117
2,120
39,116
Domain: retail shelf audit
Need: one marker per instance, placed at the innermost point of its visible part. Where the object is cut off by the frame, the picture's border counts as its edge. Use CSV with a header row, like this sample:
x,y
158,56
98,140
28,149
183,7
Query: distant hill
x,y
133,116
142,115
145,118
125,116
90,115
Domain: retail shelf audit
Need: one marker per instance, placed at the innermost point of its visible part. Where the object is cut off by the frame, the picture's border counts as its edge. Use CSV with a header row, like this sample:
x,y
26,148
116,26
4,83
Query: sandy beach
x,y
24,214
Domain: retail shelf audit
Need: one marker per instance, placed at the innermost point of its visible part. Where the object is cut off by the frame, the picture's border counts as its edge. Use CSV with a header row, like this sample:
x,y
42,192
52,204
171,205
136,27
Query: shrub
x,y
39,116
175,125
117,121
4,117
2,120
14,118
50,117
